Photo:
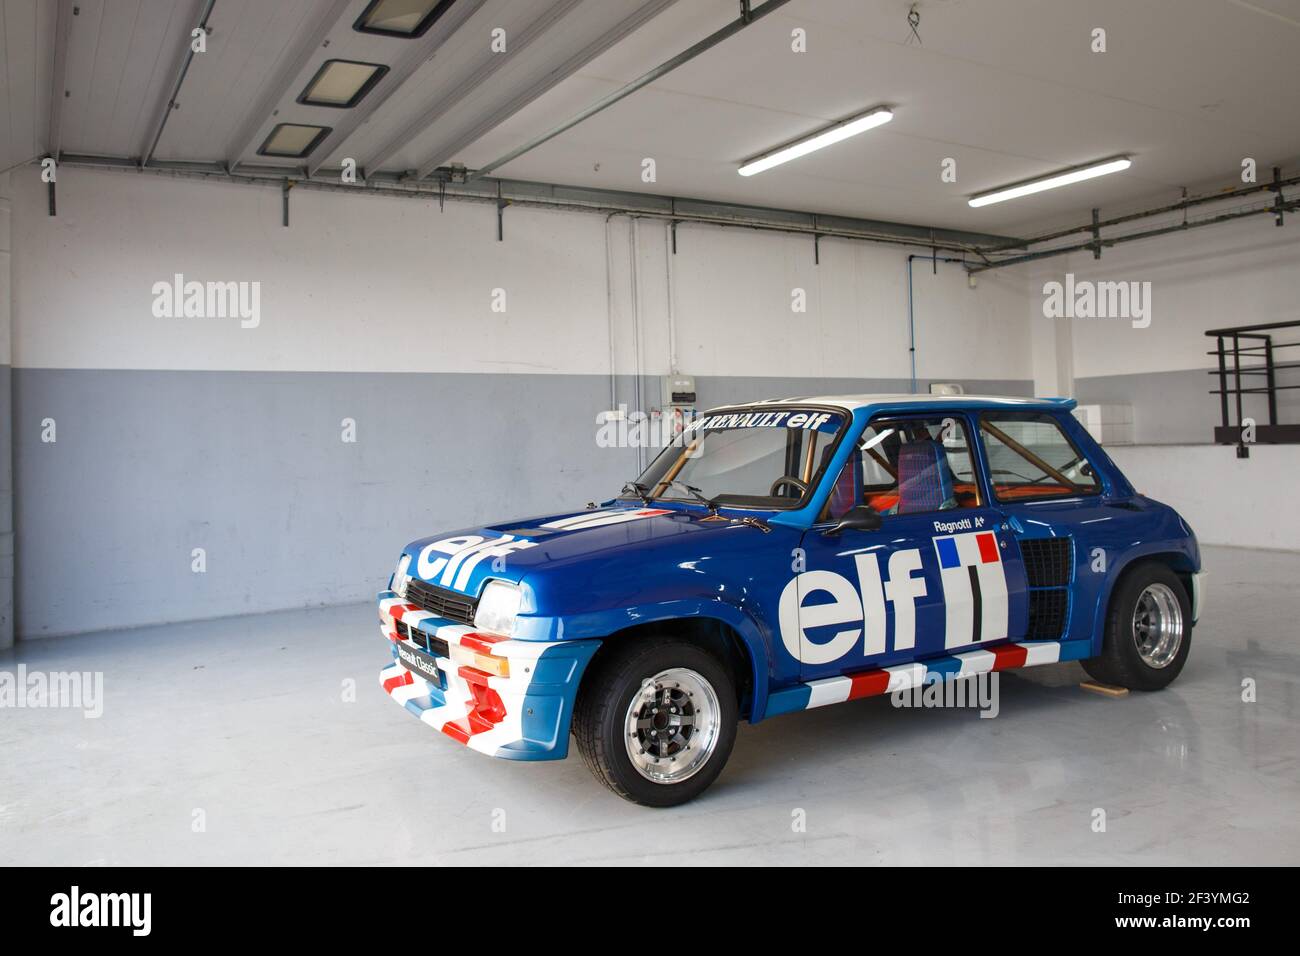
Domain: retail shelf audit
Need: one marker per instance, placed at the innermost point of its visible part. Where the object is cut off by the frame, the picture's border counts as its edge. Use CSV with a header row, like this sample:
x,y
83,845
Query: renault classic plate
x,y
421,662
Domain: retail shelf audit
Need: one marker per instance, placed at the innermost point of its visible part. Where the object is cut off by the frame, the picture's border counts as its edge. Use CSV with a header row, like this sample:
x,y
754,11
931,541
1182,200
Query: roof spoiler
x,y
1066,403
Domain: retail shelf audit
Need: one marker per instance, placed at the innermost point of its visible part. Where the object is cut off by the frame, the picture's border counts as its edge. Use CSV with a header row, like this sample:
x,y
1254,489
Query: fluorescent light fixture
x,y
400,18
293,140
1076,174
819,140
342,83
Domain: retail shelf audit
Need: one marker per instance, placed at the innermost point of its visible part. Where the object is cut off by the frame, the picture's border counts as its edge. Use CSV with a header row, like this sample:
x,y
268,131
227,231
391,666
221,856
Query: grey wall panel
x,y
250,466
6,508
1176,408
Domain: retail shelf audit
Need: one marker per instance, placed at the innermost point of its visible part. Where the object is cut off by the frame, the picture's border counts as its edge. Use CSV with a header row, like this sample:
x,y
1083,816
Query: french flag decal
x,y
974,588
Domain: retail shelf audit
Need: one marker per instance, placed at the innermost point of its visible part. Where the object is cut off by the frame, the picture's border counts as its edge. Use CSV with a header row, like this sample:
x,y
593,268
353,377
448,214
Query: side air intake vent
x,y
1047,561
1048,565
1047,612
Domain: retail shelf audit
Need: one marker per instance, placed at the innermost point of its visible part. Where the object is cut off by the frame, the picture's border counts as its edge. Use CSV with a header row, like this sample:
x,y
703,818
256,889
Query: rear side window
x,y
1031,457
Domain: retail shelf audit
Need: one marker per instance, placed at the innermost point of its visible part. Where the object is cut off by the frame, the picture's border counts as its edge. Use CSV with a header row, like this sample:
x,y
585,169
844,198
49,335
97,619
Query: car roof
x,y
904,401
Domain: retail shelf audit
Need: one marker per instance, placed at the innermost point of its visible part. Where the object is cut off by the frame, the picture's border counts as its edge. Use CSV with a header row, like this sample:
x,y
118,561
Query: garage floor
x,y
245,720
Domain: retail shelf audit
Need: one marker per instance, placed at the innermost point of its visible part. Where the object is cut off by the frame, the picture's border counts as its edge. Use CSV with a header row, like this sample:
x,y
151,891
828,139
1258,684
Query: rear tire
x,y
1148,630
656,720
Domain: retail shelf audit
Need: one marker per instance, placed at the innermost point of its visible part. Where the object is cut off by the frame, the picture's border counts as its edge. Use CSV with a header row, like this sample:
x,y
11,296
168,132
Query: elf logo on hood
x,y
452,560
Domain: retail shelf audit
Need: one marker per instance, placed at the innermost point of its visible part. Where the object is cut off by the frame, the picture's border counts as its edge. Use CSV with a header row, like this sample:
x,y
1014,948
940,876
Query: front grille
x,y
441,602
434,645
1047,611
1047,561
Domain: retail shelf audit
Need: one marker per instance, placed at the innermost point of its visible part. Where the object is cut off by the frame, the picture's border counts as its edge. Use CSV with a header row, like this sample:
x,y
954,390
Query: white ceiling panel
x,y
1008,88
249,39
26,48
120,68
453,105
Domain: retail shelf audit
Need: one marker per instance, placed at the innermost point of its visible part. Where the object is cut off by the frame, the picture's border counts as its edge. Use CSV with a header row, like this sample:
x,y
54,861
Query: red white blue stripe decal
x,y
974,588
887,680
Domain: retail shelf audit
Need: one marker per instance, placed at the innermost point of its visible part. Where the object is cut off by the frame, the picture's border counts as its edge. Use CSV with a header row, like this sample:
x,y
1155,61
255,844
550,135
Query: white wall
x,y
1243,273
376,284
1226,499
6,279
734,294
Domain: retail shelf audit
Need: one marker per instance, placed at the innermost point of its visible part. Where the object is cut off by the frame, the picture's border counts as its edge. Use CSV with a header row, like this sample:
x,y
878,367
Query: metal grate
x,y
434,645
441,602
1047,561
1047,612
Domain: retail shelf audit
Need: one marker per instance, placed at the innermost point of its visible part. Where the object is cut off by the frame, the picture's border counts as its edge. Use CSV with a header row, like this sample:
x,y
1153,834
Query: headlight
x,y
400,577
497,608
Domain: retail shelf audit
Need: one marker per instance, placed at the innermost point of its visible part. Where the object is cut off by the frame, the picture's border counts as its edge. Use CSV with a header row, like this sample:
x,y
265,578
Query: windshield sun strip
x,y
815,477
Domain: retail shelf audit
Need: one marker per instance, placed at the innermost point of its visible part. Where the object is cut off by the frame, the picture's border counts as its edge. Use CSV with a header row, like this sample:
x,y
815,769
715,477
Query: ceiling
x,y
1008,88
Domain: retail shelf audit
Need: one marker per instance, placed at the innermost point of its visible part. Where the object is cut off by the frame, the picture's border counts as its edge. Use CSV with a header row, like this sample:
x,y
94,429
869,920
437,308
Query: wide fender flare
x,y
1117,570
755,637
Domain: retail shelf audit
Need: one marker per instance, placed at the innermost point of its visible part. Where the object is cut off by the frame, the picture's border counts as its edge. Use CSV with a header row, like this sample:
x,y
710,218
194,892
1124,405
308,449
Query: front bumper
x,y
522,716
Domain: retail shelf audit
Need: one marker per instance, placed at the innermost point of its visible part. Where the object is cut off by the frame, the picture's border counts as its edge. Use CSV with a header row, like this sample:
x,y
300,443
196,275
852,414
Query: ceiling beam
x,y
246,137
551,15
417,53
748,15
447,150
59,78
182,68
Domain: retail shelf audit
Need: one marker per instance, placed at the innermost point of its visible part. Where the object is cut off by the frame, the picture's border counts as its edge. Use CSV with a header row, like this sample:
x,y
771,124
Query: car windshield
x,y
765,458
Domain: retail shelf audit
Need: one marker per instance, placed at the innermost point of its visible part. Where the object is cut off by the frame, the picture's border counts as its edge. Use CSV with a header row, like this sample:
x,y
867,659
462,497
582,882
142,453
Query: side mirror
x,y
858,518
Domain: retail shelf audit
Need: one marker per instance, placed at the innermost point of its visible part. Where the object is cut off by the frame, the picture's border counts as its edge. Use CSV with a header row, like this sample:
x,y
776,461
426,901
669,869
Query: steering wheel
x,y
802,486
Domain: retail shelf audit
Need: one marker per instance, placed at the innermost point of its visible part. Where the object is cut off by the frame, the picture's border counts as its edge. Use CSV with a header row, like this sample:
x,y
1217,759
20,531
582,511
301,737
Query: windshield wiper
x,y
640,490
697,494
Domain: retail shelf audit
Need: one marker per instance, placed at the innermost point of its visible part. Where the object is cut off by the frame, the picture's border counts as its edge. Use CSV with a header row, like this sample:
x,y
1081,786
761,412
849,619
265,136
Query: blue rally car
x,y
786,555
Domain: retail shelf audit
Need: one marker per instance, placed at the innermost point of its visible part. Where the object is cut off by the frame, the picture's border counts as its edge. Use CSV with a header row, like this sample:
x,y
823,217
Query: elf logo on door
x,y
974,597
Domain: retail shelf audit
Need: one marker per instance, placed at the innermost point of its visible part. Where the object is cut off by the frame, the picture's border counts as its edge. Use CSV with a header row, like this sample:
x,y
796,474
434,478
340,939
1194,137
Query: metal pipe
x,y
1183,204
710,41
1133,237
670,247
180,79
911,319
601,201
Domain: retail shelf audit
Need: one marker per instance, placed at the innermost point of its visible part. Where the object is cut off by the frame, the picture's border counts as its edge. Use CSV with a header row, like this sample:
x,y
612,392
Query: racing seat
x,y
847,490
924,478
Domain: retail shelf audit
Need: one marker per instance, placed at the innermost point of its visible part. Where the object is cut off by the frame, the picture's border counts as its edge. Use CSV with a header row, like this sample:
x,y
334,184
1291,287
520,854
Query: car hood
x,y
521,550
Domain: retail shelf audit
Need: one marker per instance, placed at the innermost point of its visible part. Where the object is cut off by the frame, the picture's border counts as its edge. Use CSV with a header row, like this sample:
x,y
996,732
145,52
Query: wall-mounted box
x,y
678,390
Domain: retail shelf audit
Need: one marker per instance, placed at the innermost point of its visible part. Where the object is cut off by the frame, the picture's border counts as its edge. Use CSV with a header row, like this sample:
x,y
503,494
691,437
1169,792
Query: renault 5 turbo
x,y
784,555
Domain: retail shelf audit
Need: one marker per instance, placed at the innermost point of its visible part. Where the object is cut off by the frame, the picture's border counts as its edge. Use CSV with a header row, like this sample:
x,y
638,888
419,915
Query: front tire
x,y
656,721
1148,630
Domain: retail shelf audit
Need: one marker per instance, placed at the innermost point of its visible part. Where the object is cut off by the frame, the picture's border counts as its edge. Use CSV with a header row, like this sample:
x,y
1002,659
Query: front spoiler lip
x,y
524,716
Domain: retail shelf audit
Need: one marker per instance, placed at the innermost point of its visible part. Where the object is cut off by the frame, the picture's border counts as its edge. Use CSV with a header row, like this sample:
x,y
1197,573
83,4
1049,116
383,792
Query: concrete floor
x,y
245,720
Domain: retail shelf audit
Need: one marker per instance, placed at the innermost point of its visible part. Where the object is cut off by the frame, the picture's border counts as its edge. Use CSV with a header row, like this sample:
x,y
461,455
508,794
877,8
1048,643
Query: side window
x,y
1030,456
908,466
